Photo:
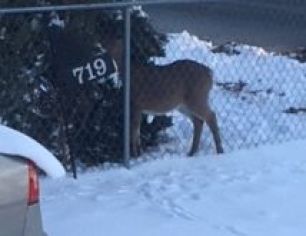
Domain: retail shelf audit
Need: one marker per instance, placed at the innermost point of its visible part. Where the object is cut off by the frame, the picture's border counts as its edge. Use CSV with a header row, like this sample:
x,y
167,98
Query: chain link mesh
x,y
258,94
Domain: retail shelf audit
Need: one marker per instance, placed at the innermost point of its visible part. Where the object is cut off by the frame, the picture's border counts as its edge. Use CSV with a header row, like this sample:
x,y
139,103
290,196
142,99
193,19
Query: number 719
x,y
93,70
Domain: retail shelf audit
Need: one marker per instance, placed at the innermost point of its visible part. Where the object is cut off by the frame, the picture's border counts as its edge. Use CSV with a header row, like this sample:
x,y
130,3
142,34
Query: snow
x,y
249,193
56,21
13,142
244,193
253,115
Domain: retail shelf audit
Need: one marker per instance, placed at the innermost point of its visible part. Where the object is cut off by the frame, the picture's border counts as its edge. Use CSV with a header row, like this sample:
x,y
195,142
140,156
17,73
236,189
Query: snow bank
x,y
15,143
248,193
253,114
245,193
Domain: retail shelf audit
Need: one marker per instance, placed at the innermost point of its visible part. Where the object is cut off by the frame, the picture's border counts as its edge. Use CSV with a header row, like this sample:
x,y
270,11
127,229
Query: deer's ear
x,y
114,48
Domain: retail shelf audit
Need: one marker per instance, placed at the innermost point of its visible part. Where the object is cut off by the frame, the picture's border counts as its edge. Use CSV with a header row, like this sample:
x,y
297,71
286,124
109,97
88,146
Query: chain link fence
x,y
64,80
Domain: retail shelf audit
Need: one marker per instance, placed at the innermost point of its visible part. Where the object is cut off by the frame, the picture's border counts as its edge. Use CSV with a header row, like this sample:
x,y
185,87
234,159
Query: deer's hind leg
x,y
211,120
204,112
197,131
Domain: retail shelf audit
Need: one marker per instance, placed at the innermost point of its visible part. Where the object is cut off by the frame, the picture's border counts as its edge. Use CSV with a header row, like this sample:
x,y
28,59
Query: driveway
x,y
273,24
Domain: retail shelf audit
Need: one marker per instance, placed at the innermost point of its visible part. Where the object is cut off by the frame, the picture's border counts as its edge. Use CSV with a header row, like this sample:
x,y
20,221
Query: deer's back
x,y
164,87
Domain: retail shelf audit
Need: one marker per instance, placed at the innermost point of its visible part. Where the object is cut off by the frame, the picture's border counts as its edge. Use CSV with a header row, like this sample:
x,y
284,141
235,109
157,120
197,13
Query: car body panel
x,y
16,217
33,223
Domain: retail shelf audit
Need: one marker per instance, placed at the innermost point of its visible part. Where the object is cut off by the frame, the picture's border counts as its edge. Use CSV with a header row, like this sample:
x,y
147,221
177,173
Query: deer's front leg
x,y
135,132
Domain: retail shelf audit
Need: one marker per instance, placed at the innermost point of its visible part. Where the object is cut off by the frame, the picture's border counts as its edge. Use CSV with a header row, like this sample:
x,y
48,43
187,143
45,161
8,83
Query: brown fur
x,y
182,85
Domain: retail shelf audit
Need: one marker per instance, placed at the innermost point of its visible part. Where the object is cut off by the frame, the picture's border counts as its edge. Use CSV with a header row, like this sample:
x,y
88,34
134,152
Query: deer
x,y
159,89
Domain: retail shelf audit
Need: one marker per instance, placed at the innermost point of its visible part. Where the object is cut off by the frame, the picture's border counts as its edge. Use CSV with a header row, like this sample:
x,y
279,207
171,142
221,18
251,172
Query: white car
x,y
20,158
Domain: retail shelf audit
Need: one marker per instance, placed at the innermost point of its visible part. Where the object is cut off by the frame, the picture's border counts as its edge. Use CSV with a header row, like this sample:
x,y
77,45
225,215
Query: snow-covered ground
x,y
243,193
246,193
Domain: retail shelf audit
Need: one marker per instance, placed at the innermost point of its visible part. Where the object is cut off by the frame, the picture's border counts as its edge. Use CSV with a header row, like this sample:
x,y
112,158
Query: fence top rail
x,y
89,6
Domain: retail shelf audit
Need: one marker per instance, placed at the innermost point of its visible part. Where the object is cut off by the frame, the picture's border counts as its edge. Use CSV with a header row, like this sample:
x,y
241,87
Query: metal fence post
x,y
126,84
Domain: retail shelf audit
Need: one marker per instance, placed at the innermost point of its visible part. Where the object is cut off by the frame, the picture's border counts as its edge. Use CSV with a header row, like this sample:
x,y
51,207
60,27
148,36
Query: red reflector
x,y
33,184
